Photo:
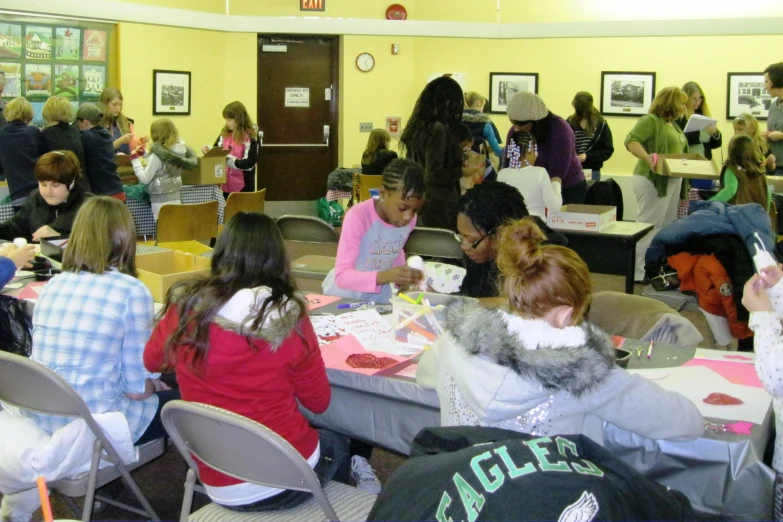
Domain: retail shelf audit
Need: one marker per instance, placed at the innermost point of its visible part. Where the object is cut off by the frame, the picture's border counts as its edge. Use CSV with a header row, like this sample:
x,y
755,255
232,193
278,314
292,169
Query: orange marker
x,y
46,507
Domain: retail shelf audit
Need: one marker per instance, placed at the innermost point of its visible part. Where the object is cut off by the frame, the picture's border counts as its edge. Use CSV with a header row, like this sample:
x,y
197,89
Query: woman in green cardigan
x,y
656,196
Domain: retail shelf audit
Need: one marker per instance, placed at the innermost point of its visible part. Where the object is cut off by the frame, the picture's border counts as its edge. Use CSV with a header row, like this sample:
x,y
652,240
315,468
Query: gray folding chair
x,y
249,451
433,242
32,386
309,229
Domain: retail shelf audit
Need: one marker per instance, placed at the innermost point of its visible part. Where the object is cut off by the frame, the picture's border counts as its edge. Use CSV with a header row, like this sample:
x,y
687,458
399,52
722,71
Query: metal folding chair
x,y
249,451
32,386
308,229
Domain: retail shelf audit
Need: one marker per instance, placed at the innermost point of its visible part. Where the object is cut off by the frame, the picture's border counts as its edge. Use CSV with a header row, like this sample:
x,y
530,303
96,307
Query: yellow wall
x,y
565,66
222,67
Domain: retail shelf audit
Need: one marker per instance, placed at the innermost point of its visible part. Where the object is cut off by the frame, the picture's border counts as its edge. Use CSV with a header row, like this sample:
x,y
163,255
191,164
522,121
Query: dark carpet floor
x,y
163,480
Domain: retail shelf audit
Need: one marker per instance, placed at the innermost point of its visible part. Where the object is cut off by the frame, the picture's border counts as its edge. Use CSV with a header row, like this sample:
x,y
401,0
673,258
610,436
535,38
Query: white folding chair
x,y
32,386
249,451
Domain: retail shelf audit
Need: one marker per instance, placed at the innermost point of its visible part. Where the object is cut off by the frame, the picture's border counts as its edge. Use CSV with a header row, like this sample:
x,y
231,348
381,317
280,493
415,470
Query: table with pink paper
x,y
721,473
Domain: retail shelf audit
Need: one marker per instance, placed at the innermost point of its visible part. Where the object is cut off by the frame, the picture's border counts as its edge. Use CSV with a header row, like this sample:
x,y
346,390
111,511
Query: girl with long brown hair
x,y
743,176
540,368
240,339
239,137
119,125
593,137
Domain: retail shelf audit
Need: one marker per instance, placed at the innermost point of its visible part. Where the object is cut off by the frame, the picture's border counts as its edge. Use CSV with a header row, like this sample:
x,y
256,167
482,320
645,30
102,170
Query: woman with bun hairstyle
x,y
554,140
539,368
51,208
593,136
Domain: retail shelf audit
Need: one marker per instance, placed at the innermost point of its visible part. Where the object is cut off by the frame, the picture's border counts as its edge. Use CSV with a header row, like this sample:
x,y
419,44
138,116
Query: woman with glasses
x,y
481,213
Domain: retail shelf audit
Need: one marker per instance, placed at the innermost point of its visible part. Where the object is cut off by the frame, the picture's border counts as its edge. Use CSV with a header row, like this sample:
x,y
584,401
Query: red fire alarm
x,y
393,125
312,5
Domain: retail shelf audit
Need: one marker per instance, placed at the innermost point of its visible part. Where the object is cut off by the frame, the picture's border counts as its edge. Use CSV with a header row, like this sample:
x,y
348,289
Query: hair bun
x,y
520,253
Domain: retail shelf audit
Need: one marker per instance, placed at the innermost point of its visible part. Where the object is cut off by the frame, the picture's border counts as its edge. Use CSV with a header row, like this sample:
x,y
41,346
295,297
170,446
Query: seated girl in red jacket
x,y
241,340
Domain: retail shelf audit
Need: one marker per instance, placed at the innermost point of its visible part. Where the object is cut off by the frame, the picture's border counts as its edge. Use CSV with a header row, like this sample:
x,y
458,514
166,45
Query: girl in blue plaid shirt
x,y
91,322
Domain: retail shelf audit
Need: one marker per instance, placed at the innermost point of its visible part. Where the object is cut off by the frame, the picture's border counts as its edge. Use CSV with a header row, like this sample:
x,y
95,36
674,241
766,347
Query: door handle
x,y
260,137
326,135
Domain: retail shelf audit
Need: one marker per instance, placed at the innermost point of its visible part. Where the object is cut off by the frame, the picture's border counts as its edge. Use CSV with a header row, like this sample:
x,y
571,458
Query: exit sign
x,y
312,5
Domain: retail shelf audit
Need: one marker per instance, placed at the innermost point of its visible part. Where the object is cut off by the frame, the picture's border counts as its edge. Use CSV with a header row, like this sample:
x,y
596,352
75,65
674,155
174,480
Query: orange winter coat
x,y
705,275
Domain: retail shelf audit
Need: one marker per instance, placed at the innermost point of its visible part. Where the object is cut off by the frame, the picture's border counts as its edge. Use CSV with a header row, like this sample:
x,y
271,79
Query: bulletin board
x,y
67,58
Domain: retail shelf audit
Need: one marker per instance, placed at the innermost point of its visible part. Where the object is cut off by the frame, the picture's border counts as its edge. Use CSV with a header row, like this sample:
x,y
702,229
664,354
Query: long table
x,y
721,473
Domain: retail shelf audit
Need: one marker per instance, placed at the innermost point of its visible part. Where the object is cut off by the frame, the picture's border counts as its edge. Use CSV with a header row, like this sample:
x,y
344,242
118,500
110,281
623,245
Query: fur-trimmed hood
x,y
180,155
544,360
238,313
474,116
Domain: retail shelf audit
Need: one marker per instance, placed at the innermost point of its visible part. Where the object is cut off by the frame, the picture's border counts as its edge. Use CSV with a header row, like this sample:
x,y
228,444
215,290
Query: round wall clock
x,y
365,62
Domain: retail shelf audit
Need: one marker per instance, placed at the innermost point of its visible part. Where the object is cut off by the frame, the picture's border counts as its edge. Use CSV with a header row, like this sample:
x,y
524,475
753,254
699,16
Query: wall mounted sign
x,y
312,5
297,97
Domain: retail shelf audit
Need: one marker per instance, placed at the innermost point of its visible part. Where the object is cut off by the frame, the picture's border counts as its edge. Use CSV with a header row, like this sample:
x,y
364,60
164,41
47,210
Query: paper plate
x,y
396,12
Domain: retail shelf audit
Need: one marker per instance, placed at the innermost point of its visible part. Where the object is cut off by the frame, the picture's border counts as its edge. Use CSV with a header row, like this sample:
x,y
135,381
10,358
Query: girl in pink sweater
x,y
370,255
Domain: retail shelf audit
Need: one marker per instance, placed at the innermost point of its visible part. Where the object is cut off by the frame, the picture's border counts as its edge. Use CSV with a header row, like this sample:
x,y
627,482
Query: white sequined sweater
x,y
768,345
496,369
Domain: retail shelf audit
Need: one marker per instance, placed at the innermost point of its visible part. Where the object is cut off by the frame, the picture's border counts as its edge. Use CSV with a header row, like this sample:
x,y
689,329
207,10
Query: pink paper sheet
x,y
317,301
738,373
335,353
32,290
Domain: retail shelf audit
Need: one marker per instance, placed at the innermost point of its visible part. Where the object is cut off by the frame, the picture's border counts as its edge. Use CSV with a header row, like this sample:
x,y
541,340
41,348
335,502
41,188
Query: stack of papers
x,y
698,122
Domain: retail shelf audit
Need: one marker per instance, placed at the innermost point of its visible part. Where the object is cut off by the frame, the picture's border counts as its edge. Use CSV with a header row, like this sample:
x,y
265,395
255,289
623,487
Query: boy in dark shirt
x,y
99,165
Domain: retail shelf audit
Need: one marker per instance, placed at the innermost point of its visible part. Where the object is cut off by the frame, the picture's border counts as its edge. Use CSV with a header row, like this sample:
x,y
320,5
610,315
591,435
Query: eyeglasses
x,y
476,243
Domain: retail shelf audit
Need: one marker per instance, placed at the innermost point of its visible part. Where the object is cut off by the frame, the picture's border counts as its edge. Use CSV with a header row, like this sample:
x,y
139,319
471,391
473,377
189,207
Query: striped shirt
x,y
582,140
91,330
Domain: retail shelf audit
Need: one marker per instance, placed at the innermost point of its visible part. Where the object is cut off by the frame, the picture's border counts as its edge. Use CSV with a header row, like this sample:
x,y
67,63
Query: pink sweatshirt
x,y
368,245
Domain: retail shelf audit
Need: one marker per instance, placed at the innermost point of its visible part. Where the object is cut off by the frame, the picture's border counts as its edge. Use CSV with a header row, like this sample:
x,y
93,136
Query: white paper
x,y
697,382
368,326
698,122
297,97
726,356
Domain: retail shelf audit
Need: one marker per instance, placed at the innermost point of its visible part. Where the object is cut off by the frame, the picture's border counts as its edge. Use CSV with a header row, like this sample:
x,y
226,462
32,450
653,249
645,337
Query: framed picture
x,y
170,92
502,86
746,93
626,93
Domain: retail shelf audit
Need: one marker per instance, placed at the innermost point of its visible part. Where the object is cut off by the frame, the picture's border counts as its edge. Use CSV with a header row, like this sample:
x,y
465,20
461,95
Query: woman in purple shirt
x,y
554,140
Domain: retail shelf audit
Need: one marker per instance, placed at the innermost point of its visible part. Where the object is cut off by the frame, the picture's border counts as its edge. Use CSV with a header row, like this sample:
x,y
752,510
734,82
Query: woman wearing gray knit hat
x,y
554,140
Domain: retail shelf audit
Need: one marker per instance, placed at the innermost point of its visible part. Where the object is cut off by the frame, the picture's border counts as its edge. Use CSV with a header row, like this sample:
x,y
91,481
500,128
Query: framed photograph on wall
x,y
626,93
502,86
746,93
170,92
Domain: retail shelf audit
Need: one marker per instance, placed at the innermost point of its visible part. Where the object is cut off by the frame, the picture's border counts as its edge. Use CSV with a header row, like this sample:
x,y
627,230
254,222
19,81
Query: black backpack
x,y
606,192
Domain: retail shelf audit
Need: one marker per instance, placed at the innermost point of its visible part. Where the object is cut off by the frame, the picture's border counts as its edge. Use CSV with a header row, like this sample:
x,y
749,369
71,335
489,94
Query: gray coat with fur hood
x,y
491,368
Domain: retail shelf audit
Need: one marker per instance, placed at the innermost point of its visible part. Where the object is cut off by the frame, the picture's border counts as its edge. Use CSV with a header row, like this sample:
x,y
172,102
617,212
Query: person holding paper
x,y
240,339
708,137
657,196
763,298
539,368
773,82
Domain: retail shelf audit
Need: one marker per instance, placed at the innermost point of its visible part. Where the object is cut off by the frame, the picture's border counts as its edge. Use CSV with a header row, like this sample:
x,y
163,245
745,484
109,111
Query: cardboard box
x,y
584,218
211,169
691,166
125,169
160,270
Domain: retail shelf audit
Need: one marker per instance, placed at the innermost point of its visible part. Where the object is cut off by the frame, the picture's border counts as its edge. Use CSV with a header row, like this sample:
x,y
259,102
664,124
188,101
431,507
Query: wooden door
x,y
297,115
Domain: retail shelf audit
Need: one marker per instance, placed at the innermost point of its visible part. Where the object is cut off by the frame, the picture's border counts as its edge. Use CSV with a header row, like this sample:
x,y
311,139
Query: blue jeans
x,y
334,464
596,174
